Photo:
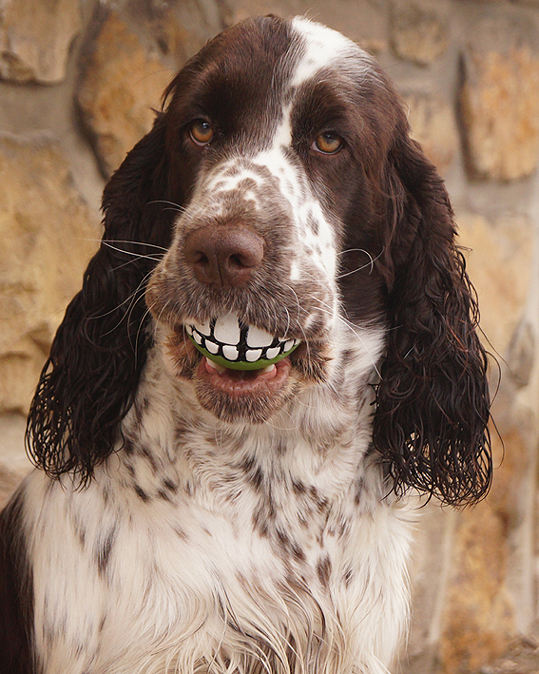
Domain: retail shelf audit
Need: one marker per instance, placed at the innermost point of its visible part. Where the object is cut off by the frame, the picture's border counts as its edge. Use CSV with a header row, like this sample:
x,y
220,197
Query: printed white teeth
x,y
230,352
252,355
257,338
234,341
203,328
212,347
227,330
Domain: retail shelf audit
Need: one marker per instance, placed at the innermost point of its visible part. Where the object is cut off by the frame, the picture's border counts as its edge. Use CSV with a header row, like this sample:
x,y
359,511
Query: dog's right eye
x,y
328,143
201,132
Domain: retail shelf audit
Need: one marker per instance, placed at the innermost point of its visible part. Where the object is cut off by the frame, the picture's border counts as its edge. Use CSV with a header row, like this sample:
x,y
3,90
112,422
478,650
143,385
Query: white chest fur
x,y
205,551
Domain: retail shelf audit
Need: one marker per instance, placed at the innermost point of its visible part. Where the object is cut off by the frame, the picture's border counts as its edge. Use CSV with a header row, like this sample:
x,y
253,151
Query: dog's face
x,y
278,214
271,136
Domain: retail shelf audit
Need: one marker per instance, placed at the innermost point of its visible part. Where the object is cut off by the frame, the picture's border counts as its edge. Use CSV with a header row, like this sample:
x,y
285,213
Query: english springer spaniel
x,y
275,341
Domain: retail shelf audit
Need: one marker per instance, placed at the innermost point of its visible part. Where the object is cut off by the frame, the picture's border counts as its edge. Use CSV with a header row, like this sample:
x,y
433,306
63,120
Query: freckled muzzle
x,y
232,344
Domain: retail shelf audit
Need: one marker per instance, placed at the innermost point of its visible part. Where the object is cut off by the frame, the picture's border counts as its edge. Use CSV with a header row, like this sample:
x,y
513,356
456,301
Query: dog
x,y
275,343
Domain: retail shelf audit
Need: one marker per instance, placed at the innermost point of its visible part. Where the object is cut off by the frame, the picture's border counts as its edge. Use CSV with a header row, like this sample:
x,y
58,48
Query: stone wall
x,y
78,81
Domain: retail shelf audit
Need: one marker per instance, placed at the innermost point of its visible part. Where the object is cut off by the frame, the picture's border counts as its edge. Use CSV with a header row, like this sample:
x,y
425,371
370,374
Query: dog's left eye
x,y
328,143
201,131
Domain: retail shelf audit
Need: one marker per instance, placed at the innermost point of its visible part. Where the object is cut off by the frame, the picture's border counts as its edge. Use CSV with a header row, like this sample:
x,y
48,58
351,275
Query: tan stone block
x,y
363,21
122,83
35,37
478,613
499,265
419,30
433,126
522,354
180,29
500,112
14,464
429,570
48,234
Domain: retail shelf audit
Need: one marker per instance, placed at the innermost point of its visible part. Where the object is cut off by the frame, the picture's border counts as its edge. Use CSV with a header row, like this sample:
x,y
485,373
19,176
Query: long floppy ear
x,y
432,402
99,350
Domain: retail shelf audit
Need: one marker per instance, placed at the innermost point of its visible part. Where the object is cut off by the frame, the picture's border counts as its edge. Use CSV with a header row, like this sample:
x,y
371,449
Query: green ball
x,y
241,364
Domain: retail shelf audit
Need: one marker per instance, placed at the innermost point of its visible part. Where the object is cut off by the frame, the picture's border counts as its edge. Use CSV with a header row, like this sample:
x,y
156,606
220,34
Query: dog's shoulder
x,y
15,592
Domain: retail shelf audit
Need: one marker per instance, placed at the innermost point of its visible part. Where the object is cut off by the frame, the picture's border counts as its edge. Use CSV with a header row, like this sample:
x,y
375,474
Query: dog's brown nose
x,y
223,256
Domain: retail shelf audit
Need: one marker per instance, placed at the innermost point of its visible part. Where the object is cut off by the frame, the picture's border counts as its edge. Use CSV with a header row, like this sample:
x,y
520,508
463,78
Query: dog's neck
x,y
319,441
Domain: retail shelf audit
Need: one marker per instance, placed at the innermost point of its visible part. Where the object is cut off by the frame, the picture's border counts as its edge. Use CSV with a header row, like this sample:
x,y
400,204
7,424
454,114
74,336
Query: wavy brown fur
x,y
433,401
89,380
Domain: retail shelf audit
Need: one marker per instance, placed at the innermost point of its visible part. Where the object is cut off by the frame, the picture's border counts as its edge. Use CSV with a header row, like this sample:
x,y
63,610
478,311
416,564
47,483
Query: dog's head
x,y
277,215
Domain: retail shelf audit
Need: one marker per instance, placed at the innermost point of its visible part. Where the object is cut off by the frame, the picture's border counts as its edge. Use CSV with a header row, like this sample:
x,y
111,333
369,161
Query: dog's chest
x,y
227,552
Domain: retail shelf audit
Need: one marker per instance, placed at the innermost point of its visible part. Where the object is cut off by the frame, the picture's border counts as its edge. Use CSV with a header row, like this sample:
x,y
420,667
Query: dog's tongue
x,y
232,344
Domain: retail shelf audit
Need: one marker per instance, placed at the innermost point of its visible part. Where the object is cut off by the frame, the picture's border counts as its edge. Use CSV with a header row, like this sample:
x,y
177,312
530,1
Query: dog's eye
x,y
201,132
328,143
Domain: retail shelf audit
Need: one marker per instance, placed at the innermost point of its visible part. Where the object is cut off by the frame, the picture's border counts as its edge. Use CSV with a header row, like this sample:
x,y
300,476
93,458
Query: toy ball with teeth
x,y
232,344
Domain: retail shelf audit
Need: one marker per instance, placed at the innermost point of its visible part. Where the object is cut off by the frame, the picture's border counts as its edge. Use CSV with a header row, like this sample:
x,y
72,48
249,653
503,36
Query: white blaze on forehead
x,y
283,134
322,46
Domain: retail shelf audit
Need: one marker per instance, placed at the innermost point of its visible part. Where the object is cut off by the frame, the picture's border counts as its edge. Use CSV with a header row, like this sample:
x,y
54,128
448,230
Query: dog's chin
x,y
233,396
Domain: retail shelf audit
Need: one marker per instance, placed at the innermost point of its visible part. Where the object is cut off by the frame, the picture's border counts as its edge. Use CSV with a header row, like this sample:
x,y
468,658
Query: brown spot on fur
x,y
141,493
145,452
358,491
347,577
170,485
323,569
104,551
298,487
321,502
181,534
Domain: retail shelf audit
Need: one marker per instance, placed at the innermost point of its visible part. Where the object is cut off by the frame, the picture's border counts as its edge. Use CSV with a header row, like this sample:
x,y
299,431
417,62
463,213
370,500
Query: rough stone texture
x,y
419,30
122,81
14,464
363,21
500,266
433,126
522,353
47,236
521,658
500,111
431,559
35,37
478,621
478,616
181,28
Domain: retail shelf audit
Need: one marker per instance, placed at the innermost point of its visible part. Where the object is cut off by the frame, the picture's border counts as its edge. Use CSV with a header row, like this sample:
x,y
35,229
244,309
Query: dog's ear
x,y
432,402
99,350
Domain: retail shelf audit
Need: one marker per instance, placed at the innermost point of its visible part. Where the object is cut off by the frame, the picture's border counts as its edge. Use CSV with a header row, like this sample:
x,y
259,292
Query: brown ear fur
x,y
433,401
99,350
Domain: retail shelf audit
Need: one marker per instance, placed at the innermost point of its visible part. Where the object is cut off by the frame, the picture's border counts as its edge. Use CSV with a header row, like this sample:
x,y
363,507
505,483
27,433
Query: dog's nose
x,y
223,256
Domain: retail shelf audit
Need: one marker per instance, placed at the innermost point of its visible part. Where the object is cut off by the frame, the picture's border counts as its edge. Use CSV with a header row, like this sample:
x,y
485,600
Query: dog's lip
x,y
242,383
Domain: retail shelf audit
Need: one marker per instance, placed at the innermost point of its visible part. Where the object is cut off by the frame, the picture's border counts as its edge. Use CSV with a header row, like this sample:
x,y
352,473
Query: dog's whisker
x,y
173,204
137,256
370,264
